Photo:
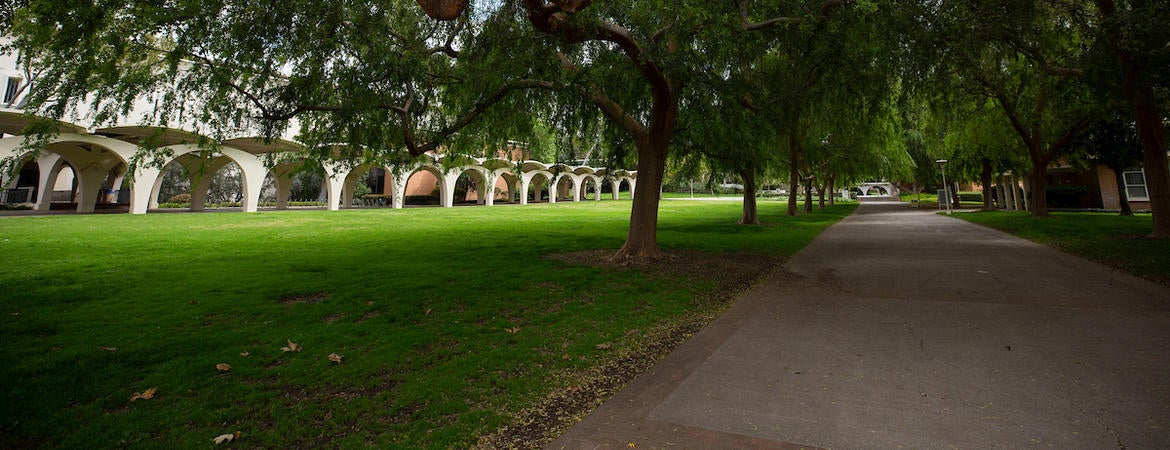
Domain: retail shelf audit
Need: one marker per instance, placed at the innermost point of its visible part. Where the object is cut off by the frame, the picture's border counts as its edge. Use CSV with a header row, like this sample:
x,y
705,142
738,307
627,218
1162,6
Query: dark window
x,y
10,92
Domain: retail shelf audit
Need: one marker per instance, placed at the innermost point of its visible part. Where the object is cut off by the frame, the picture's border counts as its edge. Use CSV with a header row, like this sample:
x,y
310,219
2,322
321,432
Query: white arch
x,y
526,181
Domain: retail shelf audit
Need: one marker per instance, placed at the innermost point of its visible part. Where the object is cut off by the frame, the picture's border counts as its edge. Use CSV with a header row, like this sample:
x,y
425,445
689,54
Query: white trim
x,y
1129,186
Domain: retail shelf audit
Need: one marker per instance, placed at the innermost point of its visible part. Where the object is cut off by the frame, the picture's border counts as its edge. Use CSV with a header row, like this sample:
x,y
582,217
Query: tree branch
x,y
480,107
827,8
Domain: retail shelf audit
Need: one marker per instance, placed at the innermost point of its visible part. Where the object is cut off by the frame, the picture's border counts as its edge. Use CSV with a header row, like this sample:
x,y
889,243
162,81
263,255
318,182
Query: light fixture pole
x,y
942,167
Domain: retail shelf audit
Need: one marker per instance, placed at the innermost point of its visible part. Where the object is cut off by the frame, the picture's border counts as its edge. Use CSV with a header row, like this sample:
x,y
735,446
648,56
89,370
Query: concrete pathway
x,y
905,329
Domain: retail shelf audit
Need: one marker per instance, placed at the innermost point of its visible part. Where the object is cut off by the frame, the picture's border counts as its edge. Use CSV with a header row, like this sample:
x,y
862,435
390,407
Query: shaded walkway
x,y
905,328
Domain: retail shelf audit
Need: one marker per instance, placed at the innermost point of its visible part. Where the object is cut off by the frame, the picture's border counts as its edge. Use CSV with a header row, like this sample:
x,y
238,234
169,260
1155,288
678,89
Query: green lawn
x,y
1107,238
449,321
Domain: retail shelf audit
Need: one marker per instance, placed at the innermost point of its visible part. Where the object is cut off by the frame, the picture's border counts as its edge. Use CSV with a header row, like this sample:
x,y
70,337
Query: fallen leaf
x,y
225,438
144,395
108,349
245,354
566,356
292,347
604,346
631,445
427,312
335,358
223,367
512,330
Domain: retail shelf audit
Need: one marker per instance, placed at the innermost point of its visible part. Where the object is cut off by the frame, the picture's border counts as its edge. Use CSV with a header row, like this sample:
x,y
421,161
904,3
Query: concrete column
x,y
283,188
1015,196
142,192
614,186
50,164
89,185
334,182
633,187
200,186
488,196
447,188
347,189
253,172
575,187
399,193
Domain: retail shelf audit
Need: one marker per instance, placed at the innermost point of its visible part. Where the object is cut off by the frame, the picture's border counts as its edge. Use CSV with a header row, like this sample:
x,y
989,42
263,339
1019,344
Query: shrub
x,y
971,197
180,198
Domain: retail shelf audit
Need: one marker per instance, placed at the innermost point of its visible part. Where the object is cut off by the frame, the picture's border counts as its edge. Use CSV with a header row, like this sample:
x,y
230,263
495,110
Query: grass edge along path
x,y
447,324
1105,238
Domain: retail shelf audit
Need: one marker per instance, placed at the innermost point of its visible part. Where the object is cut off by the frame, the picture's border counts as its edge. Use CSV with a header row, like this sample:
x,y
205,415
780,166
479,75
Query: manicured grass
x,y
449,320
1107,238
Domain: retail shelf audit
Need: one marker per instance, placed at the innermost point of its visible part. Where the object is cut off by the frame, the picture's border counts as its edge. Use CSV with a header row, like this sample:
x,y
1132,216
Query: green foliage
x,y
427,363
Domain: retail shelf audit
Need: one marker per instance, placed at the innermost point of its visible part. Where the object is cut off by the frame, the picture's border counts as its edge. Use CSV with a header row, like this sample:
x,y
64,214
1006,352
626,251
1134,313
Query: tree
x,y
1027,57
1114,142
1136,32
978,143
380,77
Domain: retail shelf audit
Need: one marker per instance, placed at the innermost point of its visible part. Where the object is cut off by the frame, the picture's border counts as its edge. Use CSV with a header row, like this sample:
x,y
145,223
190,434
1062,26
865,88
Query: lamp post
x,y
942,167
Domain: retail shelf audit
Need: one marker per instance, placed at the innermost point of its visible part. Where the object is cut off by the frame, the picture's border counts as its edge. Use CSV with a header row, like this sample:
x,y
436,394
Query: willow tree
x,y
379,76
1027,57
816,84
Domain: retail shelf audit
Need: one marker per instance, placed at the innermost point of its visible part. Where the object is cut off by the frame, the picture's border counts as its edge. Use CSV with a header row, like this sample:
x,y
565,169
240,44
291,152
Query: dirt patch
x,y
368,316
732,274
313,298
730,271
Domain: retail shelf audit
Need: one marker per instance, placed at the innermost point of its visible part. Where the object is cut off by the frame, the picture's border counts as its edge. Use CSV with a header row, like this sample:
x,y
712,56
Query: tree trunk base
x,y
627,255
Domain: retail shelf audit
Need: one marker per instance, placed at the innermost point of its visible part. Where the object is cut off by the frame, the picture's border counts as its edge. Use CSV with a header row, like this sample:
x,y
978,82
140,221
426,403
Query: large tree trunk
x,y
642,239
793,172
985,180
821,194
1154,162
832,190
808,194
750,215
1039,186
1139,91
1122,193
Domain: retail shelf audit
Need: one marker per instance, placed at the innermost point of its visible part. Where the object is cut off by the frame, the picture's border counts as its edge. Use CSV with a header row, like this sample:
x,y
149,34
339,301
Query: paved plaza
x,y
905,329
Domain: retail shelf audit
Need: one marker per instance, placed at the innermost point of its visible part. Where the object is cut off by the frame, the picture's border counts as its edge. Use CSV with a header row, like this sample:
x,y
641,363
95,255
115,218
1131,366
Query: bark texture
x,y
750,214
1139,92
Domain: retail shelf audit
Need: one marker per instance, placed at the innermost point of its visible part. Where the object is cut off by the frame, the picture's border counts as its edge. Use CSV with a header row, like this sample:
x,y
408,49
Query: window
x,y
1135,185
10,92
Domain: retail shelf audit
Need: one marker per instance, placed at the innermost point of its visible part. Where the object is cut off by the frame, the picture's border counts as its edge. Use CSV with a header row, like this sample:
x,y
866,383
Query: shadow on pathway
x,y
904,328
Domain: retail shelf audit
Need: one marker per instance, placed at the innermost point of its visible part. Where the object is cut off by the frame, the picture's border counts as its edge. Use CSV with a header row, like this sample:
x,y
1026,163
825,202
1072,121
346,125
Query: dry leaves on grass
x,y
225,438
245,354
144,395
108,349
223,367
292,347
335,358
604,346
512,330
